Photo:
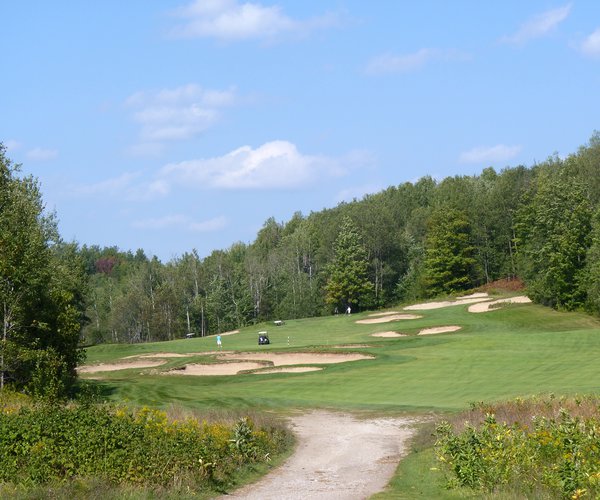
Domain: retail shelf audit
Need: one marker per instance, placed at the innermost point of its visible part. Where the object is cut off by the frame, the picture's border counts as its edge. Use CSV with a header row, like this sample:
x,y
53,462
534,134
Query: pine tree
x,y
449,261
348,284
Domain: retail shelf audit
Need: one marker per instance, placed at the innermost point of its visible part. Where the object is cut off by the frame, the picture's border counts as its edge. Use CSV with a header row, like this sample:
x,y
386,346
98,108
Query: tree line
x,y
416,240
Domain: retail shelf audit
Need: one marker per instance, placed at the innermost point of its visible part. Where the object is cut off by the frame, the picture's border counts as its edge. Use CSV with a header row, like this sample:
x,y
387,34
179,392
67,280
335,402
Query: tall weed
x,y
46,443
540,445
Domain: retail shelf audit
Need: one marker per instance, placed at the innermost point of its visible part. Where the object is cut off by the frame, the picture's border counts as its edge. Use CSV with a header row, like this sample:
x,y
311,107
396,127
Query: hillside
x,y
412,241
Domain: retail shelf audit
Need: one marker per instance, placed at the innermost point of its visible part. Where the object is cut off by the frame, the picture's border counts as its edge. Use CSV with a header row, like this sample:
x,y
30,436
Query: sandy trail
x,y
338,457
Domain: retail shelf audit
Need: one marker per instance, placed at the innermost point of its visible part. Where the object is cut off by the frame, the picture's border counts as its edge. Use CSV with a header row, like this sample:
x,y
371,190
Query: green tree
x,y
553,236
449,263
40,291
592,270
348,284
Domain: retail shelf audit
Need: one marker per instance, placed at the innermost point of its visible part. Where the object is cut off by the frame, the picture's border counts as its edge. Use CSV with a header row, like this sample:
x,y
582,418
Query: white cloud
x,y
276,164
41,154
591,45
231,20
184,222
209,225
404,63
12,145
539,25
484,154
110,187
175,114
146,149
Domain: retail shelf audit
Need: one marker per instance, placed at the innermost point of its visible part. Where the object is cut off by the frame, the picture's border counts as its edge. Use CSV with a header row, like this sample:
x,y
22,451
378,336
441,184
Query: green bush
x,y
46,443
555,455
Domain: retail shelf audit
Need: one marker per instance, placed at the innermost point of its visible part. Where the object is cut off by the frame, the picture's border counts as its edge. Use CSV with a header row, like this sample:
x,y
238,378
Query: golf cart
x,y
263,338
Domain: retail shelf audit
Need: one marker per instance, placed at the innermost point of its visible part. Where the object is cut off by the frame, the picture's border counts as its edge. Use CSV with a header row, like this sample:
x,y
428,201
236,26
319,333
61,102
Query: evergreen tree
x,y
348,284
449,263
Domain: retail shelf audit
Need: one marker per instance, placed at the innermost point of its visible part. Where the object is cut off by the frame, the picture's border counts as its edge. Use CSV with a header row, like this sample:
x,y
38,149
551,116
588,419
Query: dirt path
x,y
338,457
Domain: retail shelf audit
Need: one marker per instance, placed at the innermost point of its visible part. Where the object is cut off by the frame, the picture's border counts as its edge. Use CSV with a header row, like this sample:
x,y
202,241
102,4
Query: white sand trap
x,y
460,301
217,368
387,319
491,306
388,334
291,369
385,313
232,332
439,329
102,367
297,358
478,295
224,334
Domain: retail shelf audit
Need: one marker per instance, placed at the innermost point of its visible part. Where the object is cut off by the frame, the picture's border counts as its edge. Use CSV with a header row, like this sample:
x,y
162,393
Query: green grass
x,y
519,350
419,477
516,351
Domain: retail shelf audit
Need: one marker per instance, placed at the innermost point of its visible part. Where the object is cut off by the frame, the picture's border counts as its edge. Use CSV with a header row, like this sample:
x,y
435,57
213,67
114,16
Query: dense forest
x,y
539,223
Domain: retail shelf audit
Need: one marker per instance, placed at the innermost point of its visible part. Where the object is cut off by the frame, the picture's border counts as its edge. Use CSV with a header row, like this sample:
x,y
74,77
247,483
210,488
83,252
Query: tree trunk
x,y
187,314
4,335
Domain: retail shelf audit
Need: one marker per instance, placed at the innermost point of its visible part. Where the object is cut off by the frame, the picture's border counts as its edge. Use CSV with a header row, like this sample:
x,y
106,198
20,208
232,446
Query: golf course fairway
x,y
515,350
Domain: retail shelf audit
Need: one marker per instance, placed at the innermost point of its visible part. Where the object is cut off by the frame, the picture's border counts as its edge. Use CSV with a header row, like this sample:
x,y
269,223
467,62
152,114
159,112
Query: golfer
x,y
219,345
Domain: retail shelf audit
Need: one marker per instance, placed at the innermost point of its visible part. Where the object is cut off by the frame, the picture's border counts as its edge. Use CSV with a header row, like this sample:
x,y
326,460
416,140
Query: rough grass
x,y
83,450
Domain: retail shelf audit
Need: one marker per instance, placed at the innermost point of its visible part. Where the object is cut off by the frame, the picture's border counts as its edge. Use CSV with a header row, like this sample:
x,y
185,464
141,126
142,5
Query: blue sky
x,y
173,125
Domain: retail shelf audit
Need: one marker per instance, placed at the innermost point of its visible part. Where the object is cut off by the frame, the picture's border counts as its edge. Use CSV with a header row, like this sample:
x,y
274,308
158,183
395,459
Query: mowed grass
x,y
518,350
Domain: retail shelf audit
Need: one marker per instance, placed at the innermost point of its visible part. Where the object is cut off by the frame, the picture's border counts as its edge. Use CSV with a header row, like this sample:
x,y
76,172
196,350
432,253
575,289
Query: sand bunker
x,y
270,360
217,368
296,358
388,334
232,332
118,366
385,313
291,369
477,295
466,299
439,329
490,306
387,318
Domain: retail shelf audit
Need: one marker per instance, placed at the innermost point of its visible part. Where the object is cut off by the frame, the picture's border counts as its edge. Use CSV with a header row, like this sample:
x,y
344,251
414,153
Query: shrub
x,y
46,443
557,453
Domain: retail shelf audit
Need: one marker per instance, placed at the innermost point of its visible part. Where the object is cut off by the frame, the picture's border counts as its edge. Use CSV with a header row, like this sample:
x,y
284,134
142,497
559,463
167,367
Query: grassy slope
x,y
518,350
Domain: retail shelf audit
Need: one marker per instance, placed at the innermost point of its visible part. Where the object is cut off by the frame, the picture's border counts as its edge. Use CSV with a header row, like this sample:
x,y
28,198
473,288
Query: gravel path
x,y
338,457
